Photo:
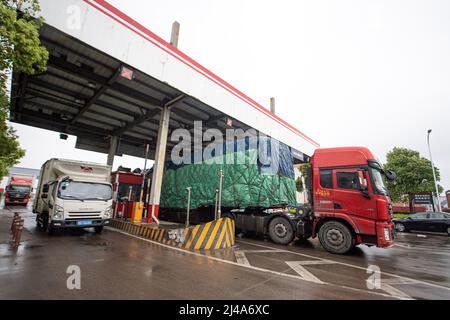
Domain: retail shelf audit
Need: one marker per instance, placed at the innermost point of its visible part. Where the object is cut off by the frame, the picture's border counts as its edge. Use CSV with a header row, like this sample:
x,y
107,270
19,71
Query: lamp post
x,y
434,173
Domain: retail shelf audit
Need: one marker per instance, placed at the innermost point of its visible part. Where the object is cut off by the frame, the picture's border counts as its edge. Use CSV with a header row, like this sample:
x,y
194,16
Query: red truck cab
x,y
350,203
18,191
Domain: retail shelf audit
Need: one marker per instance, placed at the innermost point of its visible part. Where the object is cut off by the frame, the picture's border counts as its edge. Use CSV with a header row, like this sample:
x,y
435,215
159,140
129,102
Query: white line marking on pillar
x,y
298,267
241,258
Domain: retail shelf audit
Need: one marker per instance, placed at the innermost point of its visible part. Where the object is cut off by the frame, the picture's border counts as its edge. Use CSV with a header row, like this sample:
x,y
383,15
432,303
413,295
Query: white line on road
x,y
398,281
402,246
250,266
394,291
261,251
301,270
241,258
350,265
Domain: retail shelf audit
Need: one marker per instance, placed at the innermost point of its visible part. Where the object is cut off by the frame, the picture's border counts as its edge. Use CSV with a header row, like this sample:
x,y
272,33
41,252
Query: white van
x,y
73,194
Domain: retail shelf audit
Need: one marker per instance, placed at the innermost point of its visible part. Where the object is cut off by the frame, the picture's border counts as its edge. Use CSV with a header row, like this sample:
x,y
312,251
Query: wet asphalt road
x,y
119,266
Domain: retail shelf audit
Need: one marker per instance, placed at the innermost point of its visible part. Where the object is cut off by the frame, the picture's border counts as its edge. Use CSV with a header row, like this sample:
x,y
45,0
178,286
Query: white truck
x,y
73,194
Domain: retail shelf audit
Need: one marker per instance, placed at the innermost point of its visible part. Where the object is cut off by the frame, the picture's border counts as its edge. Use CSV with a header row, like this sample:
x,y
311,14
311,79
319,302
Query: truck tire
x,y
46,226
38,223
336,237
98,230
50,231
281,231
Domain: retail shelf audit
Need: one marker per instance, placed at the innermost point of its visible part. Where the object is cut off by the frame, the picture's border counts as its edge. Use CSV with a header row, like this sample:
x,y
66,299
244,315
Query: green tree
x,y
304,171
20,49
414,173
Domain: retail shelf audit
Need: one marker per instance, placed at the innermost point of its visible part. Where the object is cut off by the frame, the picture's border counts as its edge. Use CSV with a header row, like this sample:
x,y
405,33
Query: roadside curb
x,y
217,234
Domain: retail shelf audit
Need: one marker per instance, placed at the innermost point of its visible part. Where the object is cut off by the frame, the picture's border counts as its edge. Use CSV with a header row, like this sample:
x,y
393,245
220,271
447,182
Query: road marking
x,y
430,250
241,258
421,236
313,262
350,265
250,266
402,246
394,291
298,267
261,251
399,281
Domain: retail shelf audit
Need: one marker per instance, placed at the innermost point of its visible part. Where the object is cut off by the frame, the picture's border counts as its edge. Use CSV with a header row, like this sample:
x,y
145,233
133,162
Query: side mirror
x,y
44,196
362,181
390,175
45,188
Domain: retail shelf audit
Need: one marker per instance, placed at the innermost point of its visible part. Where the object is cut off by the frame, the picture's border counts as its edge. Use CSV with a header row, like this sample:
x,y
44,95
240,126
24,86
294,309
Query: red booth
x,y
127,185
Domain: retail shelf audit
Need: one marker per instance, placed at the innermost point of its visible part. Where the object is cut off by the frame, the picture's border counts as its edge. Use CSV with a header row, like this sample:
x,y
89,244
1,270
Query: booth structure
x,y
117,87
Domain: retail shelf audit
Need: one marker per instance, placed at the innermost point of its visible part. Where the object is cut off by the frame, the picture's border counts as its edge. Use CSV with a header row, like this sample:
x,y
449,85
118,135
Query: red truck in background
x,y
19,190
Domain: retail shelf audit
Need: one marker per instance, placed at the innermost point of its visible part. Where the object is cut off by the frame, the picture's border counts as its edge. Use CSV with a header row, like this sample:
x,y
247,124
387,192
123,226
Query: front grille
x,y
83,215
16,196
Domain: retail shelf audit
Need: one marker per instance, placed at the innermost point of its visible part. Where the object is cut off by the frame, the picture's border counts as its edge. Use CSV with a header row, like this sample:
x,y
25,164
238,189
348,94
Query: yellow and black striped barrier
x,y
217,234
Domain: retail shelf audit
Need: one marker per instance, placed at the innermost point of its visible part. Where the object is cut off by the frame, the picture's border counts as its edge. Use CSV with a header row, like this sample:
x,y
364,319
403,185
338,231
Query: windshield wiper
x,y
97,198
68,196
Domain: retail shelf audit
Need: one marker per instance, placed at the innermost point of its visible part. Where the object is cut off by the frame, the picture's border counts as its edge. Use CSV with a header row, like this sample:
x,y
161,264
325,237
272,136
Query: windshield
x,y
84,191
378,181
20,189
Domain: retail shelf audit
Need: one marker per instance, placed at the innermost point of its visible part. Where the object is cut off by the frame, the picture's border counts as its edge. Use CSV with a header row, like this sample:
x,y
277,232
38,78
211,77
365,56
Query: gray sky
x,y
370,73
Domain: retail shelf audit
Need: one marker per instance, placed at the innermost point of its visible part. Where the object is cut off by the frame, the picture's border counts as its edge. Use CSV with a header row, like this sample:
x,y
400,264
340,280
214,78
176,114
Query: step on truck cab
x,y
350,204
73,194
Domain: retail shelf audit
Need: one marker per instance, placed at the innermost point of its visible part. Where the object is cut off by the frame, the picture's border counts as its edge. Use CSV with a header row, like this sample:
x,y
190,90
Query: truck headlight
x,y
387,234
59,212
108,212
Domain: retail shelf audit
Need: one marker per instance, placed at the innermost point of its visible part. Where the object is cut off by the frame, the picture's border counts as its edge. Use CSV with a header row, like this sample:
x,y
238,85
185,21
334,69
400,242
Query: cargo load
x,y
258,172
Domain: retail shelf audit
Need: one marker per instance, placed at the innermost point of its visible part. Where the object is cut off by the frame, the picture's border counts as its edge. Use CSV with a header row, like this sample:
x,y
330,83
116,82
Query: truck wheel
x,y
98,230
336,238
38,223
280,231
50,231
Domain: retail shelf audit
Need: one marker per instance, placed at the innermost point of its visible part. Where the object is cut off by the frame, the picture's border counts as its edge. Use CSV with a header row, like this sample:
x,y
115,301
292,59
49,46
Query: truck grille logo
x,y
86,169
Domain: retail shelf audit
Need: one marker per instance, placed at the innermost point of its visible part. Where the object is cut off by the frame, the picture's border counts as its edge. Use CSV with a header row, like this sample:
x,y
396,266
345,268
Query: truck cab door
x,y
323,191
351,200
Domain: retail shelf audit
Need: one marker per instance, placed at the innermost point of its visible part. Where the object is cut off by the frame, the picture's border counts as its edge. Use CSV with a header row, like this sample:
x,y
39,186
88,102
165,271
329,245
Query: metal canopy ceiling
x,y
82,93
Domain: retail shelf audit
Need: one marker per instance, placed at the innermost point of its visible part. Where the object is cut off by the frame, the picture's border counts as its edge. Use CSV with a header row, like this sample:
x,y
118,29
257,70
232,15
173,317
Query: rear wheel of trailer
x,y
280,230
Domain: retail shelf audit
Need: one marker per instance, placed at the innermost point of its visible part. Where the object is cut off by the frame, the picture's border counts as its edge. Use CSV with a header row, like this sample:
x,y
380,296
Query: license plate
x,y
84,222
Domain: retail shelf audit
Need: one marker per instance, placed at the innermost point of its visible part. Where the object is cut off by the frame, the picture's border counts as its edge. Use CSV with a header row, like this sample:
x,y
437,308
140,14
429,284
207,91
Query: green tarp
x,y
243,184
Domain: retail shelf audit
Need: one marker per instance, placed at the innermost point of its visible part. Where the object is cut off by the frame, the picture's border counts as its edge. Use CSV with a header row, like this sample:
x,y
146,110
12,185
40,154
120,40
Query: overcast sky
x,y
370,73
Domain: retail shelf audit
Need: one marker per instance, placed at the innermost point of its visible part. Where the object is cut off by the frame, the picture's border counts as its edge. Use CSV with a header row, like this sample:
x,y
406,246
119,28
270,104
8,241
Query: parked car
x,y
424,221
